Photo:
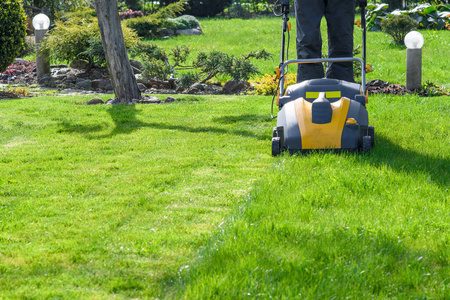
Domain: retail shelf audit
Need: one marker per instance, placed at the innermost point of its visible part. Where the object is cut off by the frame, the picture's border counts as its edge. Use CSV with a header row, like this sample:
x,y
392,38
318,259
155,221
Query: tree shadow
x,y
388,153
125,118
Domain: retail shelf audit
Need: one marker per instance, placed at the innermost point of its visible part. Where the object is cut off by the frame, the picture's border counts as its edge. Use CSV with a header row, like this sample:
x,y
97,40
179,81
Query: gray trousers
x,y
340,16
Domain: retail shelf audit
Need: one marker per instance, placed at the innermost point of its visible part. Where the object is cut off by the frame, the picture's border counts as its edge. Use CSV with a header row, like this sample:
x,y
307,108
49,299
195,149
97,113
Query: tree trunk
x,y
119,67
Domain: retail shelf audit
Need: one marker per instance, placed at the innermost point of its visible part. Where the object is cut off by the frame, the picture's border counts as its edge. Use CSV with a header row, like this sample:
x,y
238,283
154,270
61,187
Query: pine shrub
x,y
398,27
151,25
80,39
203,8
12,31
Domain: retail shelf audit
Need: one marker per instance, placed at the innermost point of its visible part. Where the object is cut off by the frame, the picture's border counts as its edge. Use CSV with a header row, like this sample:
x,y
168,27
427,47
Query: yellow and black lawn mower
x,y
321,113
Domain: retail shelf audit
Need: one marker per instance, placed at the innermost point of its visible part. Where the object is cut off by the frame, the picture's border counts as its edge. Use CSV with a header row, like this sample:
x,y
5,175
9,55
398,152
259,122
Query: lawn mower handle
x,y
321,60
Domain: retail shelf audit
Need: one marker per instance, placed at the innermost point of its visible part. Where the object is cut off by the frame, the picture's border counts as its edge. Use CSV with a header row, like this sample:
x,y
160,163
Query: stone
x,y
79,64
166,32
62,71
234,86
45,80
137,64
83,83
136,70
112,101
170,99
150,100
95,100
198,86
141,87
192,31
20,60
102,84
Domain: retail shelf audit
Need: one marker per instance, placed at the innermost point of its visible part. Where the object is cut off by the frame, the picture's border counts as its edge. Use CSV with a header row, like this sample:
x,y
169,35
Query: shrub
x,y
156,69
398,27
157,66
80,39
189,78
56,7
184,22
133,4
150,26
12,31
87,13
203,8
267,85
427,16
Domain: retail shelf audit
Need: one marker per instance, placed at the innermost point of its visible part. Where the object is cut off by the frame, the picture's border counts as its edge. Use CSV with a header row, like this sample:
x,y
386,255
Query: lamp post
x,y
414,42
41,23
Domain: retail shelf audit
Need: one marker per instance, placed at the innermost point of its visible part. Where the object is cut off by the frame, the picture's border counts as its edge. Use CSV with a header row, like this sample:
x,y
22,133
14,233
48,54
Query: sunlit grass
x,y
240,36
184,200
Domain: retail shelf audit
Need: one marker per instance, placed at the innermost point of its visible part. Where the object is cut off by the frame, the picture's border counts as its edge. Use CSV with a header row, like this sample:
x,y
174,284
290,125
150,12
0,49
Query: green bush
x,y
12,31
87,13
203,8
150,26
184,22
398,27
57,7
134,4
189,78
426,15
80,39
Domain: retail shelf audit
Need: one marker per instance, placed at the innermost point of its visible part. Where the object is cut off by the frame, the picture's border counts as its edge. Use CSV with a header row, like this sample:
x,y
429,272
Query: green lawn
x,y
241,36
184,200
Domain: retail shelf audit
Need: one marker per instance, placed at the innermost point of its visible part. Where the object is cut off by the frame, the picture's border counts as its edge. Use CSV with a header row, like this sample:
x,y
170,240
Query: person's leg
x,y
308,15
340,16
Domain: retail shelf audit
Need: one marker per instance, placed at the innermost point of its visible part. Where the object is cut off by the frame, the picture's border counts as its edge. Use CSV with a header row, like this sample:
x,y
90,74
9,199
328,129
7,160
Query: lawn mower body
x,y
322,114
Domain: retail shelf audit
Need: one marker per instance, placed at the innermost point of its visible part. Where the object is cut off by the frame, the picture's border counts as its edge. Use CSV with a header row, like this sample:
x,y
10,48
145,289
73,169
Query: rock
x,y
45,80
150,100
96,74
79,64
192,31
95,100
62,71
141,87
20,60
102,84
166,32
137,64
72,91
197,87
234,86
136,70
83,83
112,101
170,99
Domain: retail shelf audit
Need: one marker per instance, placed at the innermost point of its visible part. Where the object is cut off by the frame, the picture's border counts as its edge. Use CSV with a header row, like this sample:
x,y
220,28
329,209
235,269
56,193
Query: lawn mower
x,y
321,114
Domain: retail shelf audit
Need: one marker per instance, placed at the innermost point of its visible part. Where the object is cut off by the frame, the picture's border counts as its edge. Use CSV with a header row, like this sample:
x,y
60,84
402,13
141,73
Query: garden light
x,y
414,42
41,23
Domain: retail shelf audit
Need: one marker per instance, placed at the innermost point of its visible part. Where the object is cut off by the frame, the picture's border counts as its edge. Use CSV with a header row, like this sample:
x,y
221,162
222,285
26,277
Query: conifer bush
x,y
398,27
150,26
80,39
12,31
203,8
